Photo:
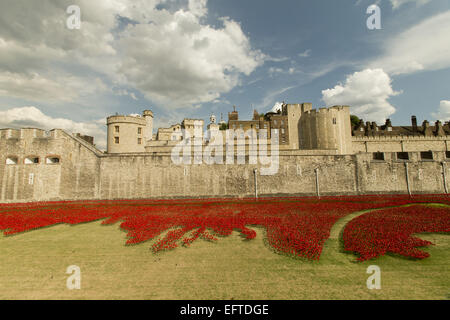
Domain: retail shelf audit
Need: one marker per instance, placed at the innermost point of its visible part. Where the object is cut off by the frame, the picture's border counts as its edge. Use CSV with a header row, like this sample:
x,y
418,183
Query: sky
x,y
193,58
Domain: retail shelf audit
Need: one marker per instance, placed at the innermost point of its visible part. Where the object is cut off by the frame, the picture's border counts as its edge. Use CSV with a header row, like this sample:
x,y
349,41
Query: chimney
x,y
374,126
368,128
414,124
426,128
255,115
439,129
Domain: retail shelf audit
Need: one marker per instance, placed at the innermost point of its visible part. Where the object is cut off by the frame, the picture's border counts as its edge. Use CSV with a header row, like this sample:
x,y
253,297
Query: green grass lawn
x,y
33,266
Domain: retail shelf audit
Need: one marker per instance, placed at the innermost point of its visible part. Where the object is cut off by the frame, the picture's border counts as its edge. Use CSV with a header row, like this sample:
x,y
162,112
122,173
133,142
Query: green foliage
x,y
354,120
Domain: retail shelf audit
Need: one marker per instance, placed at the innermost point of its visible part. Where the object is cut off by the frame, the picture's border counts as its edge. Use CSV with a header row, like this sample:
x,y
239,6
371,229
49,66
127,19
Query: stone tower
x,y
148,131
326,129
294,113
128,134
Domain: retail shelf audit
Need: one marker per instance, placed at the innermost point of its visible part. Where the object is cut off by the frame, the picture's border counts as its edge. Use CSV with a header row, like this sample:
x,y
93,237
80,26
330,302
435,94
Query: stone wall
x,y
86,173
400,144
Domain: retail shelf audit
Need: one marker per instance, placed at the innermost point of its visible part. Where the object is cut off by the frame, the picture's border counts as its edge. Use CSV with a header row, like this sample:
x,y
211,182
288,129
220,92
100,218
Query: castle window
x,y
282,122
116,129
402,156
389,128
116,140
52,160
378,156
139,141
274,121
139,130
447,154
31,160
426,155
334,121
12,160
362,129
282,130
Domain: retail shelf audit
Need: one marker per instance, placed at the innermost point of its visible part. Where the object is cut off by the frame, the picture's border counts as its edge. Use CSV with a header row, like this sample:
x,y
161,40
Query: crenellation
x,y
68,167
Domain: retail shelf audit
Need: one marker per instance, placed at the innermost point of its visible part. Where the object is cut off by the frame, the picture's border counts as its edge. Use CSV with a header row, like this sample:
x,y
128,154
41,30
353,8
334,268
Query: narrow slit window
x,y
53,160
12,160
31,160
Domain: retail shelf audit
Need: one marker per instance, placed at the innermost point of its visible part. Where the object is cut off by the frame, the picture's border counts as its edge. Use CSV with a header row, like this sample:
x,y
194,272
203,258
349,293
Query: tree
x,y
354,120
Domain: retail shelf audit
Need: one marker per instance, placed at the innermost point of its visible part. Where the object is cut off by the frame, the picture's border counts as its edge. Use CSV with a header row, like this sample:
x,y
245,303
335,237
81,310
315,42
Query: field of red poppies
x,y
391,230
294,226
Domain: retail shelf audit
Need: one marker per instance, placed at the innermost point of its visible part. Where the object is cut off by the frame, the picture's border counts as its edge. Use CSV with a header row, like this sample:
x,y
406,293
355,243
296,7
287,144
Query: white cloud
x,y
398,3
171,56
443,112
271,96
305,54
124,92
367,92
23,117
53,88
179,62
198,7
426,46
275,59
272,71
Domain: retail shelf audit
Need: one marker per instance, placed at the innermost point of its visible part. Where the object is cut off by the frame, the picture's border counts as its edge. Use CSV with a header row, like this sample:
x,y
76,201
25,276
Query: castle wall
x,y
75,176
399,144
86,173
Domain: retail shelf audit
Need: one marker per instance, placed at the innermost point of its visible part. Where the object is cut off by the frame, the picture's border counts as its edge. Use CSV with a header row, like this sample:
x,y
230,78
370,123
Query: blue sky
x,y
191,58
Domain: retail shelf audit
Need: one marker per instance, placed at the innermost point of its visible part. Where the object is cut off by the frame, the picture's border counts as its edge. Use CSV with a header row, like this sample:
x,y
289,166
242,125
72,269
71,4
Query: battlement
x,y
148,113
340,108
398,138
324,110
135,119
29,133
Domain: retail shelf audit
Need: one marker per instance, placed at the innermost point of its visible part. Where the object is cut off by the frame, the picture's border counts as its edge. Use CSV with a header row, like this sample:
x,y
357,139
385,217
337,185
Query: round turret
x,y
126,134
